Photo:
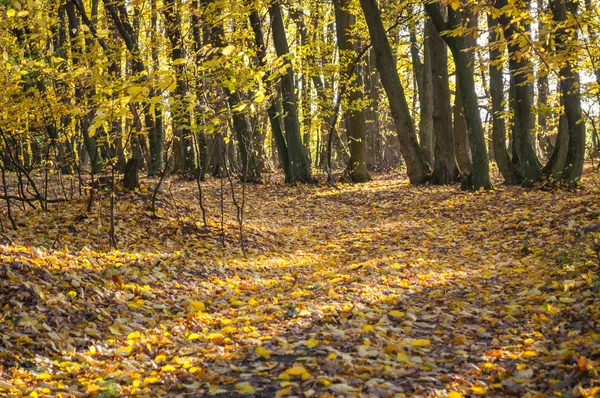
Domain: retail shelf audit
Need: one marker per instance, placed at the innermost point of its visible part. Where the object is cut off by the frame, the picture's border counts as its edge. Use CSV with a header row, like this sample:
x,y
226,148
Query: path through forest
x,y
378,290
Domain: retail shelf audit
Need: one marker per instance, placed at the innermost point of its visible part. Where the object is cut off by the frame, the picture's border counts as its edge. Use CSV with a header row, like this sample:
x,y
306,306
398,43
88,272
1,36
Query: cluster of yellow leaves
x,y
376,290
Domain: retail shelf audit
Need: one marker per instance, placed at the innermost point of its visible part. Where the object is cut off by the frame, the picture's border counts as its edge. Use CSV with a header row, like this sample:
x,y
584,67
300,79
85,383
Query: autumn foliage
x,y
378,290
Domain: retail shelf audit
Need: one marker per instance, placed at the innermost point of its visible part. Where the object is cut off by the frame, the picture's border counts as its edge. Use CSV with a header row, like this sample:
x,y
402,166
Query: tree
x,y
299,164
351,79
417,167
524,157
444,170
570,90
480,175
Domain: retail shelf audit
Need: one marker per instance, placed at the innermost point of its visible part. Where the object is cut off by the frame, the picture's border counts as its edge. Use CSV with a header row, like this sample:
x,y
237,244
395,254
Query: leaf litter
x,y
375,290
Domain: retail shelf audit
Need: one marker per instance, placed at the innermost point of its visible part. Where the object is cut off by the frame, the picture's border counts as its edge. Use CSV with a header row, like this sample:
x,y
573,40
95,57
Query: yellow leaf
x,y
567,300
115,330
323,382
455,4
390,348
134,335
454,394
228,50
44,376
421,343
150,380
11,13
396,314
262,352
160,358
244,388
403,358
168,368
528,354
341,387
124,351
194,336
479,390
288,384
227,330
552,310
310,343
296,371
72,294
197,306
252,302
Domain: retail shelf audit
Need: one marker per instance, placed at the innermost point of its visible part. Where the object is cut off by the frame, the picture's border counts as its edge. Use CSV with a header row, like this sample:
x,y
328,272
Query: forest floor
x,y
374,290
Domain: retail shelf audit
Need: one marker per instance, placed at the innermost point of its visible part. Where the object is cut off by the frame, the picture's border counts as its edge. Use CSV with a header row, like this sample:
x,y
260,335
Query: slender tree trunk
x,y
180,107
373,124
272,112
155,130
299,164
423,78
80,91
445,161
480,174
569,85
544,139
524,156
497,93
351,77
417,167
201,139
119,16
461,136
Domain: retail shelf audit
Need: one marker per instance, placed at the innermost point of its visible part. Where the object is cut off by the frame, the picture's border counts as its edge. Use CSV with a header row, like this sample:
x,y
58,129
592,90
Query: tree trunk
x,y
181,117
497,93
480,174
351,78
461,136
570,89
299,164
423,78
130,178
544,139
416,165
524,157
445,161
276,130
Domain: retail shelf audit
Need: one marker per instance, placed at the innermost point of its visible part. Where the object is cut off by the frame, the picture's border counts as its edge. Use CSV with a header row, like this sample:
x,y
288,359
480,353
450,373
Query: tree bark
x,y
570,89
299,164
417,167
351,77
501,154
524,157
461,136
180,107
445,160
480,175
423,78
276,130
